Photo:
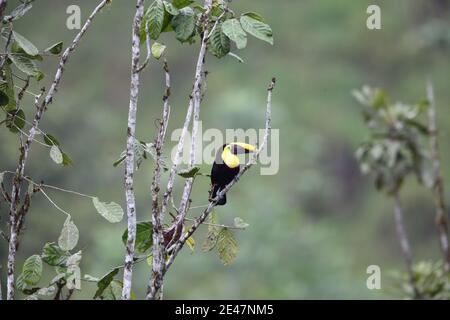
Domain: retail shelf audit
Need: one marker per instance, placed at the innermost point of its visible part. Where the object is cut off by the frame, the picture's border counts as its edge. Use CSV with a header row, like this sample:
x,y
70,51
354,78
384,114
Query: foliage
x,y
430,278
396,147
182,18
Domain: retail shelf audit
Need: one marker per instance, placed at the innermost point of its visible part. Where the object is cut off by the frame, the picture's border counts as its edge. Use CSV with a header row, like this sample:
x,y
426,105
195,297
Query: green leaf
x,y
15,120
181,3
379,99
56,154
254,15
227,246
257,29
239,223
67,161
26,65
53,255
184,24
50,140
155,16
188,173
213,231
55,48
110,211
233,30
68,238
144,240
32,270
20,283
190,242
8,87
4,99
219,43
25,44
16,49
104,282
113,291
170,8
141,150
158,50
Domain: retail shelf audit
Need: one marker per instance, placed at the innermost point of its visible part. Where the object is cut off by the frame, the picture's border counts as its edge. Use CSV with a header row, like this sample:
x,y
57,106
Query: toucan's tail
x,y
216,189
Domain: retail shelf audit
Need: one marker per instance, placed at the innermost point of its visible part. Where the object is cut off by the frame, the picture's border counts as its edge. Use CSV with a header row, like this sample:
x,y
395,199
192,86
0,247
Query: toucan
x,y
226,167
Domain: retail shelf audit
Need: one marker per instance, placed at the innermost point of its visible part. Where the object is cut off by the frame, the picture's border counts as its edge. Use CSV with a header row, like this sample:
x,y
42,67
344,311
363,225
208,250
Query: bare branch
x,y
404,242
438,185
175,249
129,161
18,178
157,216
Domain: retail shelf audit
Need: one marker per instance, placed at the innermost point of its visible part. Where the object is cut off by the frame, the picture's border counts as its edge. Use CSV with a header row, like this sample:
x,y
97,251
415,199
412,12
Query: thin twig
x,y
438,185
149,48
215,224
54,204
216,23
43,185
129,160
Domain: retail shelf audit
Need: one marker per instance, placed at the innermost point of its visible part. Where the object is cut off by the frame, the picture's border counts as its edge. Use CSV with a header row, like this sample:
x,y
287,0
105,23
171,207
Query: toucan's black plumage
x,y
226,167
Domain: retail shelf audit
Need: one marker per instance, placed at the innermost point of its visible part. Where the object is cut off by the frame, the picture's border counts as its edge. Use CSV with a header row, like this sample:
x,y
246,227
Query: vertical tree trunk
x,y
129,162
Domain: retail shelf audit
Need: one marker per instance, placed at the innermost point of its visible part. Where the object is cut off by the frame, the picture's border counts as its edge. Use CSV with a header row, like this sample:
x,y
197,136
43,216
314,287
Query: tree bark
x,y
158,248
129,161
404,242
438,185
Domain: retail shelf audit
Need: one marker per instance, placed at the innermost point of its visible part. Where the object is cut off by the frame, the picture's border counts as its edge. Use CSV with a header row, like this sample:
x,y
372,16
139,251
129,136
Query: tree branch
x,y
404,242
129,161
176,248
17,179
158,248
438,185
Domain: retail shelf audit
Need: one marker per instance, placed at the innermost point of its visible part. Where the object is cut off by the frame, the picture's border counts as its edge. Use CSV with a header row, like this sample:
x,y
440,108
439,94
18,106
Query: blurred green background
x,y
317,224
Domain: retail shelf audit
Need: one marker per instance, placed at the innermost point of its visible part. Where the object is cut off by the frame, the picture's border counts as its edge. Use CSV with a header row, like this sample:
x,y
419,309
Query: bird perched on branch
x,y
226,167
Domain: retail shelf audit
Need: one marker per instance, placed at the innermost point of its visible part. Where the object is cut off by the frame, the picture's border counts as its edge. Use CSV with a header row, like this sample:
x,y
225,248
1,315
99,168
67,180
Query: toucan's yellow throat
x,y
230,151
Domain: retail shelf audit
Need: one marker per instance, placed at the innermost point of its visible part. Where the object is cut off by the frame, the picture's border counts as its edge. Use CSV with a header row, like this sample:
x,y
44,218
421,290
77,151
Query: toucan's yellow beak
x,y
245,146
